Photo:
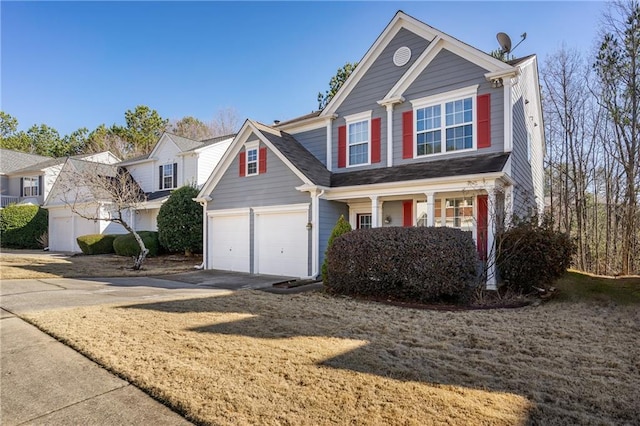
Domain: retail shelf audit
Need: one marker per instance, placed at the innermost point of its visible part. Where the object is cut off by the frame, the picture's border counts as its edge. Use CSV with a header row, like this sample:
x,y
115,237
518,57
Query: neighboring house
x,y
427,131
28,178
65,225
174,161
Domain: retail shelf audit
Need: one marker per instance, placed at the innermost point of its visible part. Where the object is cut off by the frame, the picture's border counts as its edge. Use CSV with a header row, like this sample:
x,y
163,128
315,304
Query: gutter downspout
x,y
315,236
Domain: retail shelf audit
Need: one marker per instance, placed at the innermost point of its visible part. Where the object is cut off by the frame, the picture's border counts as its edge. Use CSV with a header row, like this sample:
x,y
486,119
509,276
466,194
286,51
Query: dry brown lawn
x,y
257,358
32,264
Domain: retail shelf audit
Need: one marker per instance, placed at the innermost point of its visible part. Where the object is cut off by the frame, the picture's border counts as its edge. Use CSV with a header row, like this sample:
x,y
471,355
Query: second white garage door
x,y
60,238
281,240
229,240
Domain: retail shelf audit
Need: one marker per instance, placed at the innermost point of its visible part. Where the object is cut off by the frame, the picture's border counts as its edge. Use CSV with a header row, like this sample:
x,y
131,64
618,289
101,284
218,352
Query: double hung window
x,y
252,161
30,187
358,139
445,123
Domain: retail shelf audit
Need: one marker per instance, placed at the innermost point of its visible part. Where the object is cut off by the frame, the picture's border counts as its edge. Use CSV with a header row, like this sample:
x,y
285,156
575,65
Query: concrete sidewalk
x,y
45,382
42,381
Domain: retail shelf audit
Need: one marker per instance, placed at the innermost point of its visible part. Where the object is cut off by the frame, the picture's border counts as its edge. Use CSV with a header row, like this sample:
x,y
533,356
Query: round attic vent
x,y
402,56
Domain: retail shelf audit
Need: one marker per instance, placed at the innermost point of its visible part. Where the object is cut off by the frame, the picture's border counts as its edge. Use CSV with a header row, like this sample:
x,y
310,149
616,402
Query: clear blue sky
x,y
80,64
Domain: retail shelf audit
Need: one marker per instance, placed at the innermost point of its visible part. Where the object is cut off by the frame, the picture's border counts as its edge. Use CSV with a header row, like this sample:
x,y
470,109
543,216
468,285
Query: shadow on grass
x,y
499,351
580,287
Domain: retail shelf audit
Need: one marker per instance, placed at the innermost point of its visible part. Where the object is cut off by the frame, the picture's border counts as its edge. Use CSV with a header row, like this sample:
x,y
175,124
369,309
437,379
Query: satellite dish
x,y
505,42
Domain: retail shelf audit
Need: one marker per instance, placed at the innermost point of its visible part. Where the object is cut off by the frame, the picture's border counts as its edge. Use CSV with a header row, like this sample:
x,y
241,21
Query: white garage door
x,y
60,238
82,227
229,241
282,241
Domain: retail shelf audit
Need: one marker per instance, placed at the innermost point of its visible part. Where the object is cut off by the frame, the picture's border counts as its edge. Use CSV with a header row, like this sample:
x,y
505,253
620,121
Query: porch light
x,y
387,220
309,226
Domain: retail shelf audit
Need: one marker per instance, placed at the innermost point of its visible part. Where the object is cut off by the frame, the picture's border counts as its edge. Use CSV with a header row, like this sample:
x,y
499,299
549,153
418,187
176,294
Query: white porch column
x,y
491,249
329,146
389,135
315,231
376,212
431,209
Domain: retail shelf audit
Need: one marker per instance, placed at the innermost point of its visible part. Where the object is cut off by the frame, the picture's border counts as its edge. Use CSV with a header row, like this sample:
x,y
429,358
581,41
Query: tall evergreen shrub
x,y
342,227
21,225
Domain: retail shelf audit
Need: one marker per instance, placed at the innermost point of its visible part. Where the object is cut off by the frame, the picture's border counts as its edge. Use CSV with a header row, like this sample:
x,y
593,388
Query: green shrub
x,y
21,225
180,222
342,227
126,244
96,243
532,255
406,264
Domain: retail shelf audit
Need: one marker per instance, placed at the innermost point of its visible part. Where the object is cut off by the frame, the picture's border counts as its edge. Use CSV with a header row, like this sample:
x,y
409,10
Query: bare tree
x,y
101,192
225,122
618,69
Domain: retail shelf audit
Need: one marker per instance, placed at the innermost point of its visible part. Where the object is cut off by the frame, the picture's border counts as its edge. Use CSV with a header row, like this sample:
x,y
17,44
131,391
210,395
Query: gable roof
x,y
11,161
298,155
438,40
50,162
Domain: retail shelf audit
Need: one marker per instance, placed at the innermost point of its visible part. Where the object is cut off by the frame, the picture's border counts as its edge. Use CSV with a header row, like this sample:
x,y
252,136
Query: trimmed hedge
x,y
180,222
126,244
96,243
22,224
405,264
532,255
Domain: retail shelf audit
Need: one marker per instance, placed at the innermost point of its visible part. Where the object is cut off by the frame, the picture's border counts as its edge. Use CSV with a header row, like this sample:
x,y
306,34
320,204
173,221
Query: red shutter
x,y
262,161
484,120
243,163
482,226
376,125
342,146
407,213
407,134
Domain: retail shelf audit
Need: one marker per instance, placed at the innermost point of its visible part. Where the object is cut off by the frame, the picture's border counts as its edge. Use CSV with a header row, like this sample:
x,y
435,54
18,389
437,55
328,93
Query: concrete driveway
x,y
42,381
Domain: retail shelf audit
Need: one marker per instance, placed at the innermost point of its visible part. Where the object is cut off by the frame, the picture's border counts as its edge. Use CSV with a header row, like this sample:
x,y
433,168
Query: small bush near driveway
x,y
21,225
96,243
406,264
126,245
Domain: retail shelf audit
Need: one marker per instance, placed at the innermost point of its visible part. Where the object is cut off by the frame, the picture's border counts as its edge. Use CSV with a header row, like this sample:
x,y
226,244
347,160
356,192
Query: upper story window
x,y
168,176
252,161
358,139
30,186
445,123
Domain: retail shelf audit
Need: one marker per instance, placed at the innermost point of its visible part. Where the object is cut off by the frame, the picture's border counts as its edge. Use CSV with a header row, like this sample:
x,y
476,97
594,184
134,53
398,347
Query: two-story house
x,y
28,178
174,162
427,131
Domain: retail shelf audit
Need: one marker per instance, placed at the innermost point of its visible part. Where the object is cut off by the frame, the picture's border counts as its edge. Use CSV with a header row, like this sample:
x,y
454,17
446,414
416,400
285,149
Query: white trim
x,y
442,99
229,212
508,116
248,128
399,21
329,147
252,146
283,208
354,119
356,209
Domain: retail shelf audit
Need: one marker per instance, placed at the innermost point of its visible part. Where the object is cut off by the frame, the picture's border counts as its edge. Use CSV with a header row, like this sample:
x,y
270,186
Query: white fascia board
x,y
132,163
312,123
453,183
237,145
399,21
164,137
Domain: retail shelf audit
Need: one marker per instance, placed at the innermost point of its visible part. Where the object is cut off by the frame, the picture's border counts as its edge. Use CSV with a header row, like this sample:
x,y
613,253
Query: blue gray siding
x,y
373,86
449,72
392,210
330,212
523,192
315,141
273,188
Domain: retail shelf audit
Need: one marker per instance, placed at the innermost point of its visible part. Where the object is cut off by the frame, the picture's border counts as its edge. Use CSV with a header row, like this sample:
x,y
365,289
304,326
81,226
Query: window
x,y
252,161
168,176
358,138
30,187
445,123
364,221
459,213
421,213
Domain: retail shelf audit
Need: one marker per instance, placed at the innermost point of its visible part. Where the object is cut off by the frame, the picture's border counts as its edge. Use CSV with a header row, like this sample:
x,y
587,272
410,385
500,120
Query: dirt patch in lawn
x,y
28,264
258,358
